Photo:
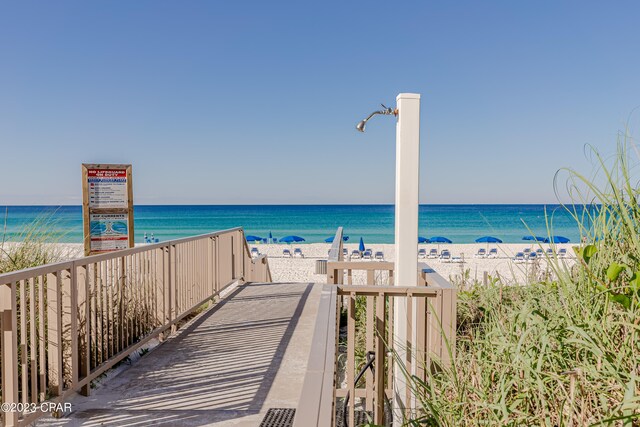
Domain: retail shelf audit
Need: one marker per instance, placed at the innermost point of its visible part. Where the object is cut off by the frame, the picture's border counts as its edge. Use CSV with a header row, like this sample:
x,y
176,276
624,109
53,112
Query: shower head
x,y
388,111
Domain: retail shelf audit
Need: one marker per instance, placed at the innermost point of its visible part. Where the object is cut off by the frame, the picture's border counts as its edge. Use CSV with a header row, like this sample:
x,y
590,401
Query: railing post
x,y
379,391
84,352
9,324
54,333
173,291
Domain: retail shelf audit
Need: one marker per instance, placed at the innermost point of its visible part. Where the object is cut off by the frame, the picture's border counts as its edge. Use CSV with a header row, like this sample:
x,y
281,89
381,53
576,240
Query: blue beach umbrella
x,y
534,238
556,239
438,240
361,247
487,240
330,239
291,239
253,239
423,240
270,238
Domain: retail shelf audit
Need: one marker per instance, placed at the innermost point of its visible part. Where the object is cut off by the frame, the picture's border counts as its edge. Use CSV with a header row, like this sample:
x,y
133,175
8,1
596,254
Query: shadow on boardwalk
x,y
243,356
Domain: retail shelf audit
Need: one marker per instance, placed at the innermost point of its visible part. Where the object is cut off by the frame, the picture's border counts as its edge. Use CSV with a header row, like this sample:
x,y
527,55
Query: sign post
x,y
107,208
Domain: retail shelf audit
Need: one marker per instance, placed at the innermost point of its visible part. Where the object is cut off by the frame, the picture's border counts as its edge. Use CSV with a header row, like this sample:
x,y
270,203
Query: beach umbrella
x,y
330,239
253,239
423,240
534,238
487,240
361,247
270,238
438,240
291,239
556,239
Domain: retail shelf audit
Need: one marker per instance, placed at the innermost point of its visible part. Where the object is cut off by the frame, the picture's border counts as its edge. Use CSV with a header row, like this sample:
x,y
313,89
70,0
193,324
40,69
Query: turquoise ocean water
x,y
374,223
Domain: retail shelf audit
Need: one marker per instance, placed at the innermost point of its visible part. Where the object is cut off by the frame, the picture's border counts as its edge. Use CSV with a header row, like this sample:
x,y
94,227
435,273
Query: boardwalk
x,y
246,355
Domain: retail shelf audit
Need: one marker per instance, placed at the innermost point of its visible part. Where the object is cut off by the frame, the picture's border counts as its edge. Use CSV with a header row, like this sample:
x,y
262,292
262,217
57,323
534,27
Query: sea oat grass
x,y
554,353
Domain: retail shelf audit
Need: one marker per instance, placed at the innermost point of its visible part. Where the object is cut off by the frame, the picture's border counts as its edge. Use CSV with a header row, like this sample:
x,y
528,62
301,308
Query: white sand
x,y
302,269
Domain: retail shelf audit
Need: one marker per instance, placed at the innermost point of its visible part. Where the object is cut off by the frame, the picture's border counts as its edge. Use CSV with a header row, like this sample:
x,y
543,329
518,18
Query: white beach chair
x,y
482,253
355,254
549,252
379,256
367,254
255,253
493,253
345,253
539,252
519,257
562,253
297,253
433,253
422,253
445,255
532,257
526,251
286,253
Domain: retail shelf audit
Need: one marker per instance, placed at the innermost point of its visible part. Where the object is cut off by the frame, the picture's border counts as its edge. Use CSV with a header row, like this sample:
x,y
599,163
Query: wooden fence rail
x,y
62,325
368,337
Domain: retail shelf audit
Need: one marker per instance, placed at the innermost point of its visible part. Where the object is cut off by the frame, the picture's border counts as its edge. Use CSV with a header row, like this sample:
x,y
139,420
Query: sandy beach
x,y
302,269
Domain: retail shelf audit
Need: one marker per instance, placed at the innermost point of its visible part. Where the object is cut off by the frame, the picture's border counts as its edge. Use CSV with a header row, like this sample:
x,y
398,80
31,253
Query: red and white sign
x,y
107,188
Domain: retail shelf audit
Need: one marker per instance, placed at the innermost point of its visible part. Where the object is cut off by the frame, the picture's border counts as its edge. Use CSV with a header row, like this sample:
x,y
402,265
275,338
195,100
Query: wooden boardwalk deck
x,y
245,355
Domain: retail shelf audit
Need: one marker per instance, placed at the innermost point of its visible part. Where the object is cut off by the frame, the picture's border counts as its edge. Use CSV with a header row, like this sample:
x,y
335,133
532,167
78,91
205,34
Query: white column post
x,y
406,223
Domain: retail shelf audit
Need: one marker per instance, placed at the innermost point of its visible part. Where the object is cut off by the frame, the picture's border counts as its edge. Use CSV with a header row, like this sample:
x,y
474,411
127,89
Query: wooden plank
x,y
9,355
380,351
33,348
54,333
24,377
42,373
351,355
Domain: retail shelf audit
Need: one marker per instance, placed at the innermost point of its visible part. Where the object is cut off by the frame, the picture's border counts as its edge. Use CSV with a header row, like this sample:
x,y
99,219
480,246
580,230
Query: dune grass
x,y
564,352
35,245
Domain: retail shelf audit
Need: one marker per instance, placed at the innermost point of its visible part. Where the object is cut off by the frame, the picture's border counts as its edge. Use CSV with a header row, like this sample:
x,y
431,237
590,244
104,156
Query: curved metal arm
x,y
388,111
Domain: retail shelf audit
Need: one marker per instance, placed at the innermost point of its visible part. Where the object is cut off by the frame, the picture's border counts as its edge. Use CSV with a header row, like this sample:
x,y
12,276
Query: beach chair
x,y
526,252
433,253
539,252
549,252
445,255
286,253
255,253
422,253
519,257
379,256
367,254
345,253
532,257
355,254
297,253
562,253
493,253
482,253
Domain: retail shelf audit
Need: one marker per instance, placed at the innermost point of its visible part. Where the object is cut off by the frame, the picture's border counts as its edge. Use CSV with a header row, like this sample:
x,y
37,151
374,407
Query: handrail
x,y
335,253
42,269
64,324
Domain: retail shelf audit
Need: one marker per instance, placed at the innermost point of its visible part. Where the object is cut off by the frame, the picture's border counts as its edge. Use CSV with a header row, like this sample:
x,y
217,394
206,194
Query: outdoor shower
x,y
388,111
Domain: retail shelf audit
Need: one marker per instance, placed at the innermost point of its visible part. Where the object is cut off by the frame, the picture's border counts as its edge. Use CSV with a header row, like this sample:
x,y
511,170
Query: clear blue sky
x,y
238,102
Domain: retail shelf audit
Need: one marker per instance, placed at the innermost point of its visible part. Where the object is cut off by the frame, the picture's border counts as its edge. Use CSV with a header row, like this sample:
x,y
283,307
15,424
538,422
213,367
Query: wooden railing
x,y
430,324
63,325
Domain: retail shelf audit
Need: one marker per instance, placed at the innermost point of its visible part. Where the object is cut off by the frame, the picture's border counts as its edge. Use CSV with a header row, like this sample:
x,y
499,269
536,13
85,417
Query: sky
x,y
256,102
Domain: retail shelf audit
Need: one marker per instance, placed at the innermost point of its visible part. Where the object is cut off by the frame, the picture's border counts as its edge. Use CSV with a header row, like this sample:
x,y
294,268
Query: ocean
x,y
374,223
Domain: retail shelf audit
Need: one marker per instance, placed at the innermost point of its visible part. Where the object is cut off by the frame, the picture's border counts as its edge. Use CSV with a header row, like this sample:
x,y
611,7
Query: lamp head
x,y
360,126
